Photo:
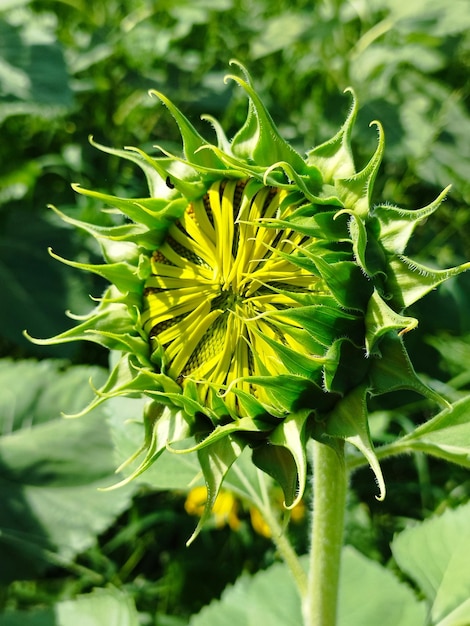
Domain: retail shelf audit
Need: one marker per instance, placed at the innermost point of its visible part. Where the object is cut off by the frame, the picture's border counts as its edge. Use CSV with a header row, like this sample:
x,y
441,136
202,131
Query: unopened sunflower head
x,y
256,296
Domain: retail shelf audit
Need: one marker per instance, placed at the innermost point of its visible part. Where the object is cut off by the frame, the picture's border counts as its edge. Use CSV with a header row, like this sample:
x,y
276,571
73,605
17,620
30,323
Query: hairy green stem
x,y
287,552
281,541
329,502
278,534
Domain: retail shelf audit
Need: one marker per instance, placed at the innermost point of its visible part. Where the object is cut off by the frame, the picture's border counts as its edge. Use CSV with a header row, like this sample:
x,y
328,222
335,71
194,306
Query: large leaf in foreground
x,y
369,595
103,606
435,555
51,468
266,598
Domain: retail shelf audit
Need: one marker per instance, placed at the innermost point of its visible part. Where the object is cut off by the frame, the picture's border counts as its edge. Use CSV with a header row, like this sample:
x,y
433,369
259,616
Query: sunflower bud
x,y
259,297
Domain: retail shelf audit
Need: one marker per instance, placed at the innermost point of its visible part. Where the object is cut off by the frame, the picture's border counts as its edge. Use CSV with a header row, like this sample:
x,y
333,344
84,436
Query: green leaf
x,y
192,140
156,213
297,364
454,349
123,274
381,319
284,458
369,595
127,378
51,469
102,606
238,427
266,146
409,281
446,436
345,366
397,225
23,410
349,420
171,471
109,326
157,186
246,480
393,371
339,277
334,157
47,290
163,425
355,191
215,461
291,393
130,232
280,32
324,323
266,598
435,555
327,225
33,76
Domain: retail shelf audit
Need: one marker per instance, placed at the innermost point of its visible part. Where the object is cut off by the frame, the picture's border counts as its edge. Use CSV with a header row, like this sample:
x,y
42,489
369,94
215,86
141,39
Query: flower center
x,y
217,282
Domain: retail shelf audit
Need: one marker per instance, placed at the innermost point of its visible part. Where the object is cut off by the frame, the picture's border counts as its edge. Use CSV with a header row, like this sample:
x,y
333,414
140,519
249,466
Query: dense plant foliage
x,y
70,69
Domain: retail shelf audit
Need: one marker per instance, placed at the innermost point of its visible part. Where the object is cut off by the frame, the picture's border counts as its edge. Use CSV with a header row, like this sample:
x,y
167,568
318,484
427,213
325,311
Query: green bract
x,y
256,297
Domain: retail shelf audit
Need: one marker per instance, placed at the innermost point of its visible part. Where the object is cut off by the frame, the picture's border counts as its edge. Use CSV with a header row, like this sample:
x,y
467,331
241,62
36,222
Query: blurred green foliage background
x,y
71,68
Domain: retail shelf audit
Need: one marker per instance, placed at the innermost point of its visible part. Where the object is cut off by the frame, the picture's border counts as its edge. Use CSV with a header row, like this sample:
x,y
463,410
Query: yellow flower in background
x,y
296,514
224,510
259,523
